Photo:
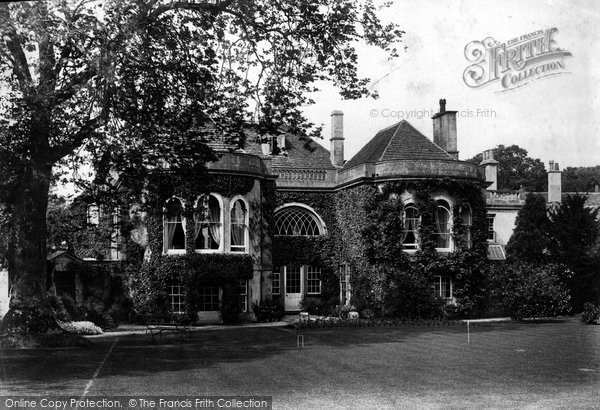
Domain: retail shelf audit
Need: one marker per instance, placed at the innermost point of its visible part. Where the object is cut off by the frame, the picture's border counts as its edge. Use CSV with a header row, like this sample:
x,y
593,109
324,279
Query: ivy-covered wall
x,y
322,251
149,283
389,281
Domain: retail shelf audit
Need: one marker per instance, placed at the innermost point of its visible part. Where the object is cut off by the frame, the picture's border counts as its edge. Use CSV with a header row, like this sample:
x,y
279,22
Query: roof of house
x,y
401,141
58,254
300,152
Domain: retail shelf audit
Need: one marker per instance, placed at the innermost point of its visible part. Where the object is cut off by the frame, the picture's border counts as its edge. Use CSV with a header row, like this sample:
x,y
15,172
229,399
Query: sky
x,y
556,117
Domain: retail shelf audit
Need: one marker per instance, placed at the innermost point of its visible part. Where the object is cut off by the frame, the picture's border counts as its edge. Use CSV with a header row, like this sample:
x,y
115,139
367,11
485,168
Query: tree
x,y
530,239
516,169
574,229
581,179
141,86
574,233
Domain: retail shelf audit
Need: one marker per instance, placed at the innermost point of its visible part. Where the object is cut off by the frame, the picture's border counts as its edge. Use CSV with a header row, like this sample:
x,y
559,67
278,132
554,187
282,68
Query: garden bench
x,y
178,324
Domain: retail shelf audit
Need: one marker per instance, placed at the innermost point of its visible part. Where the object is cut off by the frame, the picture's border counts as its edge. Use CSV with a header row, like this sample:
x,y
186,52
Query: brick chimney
x,y
554,183
444,129
491,169
337,138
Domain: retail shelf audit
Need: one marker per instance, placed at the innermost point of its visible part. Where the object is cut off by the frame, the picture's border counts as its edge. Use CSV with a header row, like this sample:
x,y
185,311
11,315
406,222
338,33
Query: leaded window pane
x,y
296,221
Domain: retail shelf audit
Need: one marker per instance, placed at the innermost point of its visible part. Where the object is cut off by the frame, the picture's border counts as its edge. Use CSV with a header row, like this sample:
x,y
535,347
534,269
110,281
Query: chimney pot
x,y
443,105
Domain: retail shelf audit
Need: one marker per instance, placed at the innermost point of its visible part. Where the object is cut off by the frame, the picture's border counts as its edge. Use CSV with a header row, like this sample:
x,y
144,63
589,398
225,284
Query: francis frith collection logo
x,y
516,62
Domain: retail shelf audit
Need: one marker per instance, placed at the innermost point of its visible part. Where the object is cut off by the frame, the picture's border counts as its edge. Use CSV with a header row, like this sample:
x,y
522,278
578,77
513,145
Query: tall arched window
x,y
443,225
297,221
239,226
466,218
174,227
208,234
410,219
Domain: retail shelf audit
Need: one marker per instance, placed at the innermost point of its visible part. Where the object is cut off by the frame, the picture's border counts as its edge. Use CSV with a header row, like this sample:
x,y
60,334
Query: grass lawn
x,y
536,365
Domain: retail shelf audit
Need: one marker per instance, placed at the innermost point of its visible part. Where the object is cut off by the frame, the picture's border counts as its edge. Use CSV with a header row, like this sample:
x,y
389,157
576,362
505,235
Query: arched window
x,y
443,225
208,228
174,227
410,219
297,221
239,226
466,218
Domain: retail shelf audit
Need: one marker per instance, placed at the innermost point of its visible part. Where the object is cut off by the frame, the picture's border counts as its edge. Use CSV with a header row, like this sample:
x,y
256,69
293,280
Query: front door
x,y
293,288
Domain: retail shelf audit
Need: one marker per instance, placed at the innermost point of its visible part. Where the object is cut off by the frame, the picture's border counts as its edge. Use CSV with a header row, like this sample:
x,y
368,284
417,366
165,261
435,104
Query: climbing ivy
x,y
322,251
149,285
370,220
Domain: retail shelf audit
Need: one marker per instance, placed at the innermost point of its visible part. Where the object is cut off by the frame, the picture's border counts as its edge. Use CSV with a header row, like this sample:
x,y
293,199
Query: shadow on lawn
x,y
64,369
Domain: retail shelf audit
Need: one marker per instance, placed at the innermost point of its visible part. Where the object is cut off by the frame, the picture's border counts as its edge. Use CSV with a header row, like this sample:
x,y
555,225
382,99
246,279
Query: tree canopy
x,y
516,169
141,85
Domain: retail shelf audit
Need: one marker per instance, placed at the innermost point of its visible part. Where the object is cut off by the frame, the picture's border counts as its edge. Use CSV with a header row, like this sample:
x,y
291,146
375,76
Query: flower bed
x,y
79,328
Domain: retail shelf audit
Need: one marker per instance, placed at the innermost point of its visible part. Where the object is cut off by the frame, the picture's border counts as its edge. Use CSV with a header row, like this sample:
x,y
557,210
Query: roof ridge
x,y
430,141
397,125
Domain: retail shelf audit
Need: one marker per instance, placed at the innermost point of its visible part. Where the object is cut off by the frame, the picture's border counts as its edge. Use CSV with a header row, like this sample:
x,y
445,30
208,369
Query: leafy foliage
x,y
530,239
389,281
516,170
530,290
322,251
574,229
149,285
138,86
580,179
268,310
590,314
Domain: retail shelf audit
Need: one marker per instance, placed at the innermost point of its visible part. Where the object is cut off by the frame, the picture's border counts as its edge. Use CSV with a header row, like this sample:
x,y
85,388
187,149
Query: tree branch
x,y
19,61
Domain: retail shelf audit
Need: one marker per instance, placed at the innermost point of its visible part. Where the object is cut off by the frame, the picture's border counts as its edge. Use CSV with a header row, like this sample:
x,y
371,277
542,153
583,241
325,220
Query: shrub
x,y
409,295
529,290
342,311
317,306
71,308
268,311
590,314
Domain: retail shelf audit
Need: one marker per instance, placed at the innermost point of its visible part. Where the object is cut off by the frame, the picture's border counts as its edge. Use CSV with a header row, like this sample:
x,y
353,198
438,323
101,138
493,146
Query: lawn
x,y
536,365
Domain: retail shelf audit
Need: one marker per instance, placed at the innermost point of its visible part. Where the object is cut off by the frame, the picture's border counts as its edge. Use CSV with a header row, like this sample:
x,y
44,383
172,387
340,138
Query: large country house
x,y
279,219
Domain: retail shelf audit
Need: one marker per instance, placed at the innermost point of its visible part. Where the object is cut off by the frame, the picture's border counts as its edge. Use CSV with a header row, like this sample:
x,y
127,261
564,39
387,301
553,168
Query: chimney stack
x,y
444,129
554,183
491,169
337,138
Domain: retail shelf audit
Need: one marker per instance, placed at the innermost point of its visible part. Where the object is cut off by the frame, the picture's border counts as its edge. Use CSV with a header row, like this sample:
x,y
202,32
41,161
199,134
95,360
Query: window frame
x,y
221,223
166,249
243,295
179,296
442,203
307,210
232,203
276,277
437,290
313,282
467,226
417,220
203,294
491,217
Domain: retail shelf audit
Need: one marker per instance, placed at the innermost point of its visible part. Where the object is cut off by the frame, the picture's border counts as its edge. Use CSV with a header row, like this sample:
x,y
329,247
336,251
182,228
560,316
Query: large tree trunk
x,y
29,311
